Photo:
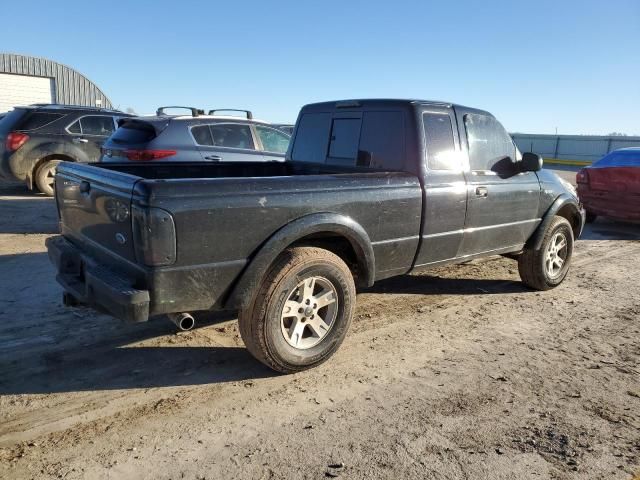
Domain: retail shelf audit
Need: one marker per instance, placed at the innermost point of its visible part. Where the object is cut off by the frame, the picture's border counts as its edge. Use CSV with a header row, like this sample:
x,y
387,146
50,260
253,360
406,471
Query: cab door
x,y
502,208
445,192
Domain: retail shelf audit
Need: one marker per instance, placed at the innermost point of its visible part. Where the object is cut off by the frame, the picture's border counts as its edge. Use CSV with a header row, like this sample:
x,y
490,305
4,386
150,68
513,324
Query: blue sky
x,y
574,65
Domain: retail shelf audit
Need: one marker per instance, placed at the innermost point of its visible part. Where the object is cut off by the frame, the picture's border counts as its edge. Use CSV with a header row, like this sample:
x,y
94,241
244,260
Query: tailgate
x,y
95,207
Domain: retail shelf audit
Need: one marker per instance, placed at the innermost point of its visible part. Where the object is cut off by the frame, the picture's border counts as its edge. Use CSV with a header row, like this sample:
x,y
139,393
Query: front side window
x,y
202,135
232,136
273,140
489,143
96,125
438,132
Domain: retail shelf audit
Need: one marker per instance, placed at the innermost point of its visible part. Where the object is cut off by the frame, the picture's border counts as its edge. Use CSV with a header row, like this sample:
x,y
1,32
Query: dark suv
x,y
196,137
34,139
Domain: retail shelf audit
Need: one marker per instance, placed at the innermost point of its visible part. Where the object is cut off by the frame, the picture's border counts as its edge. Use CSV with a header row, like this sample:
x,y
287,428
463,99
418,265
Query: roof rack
x,y
246,112
194,111
63,106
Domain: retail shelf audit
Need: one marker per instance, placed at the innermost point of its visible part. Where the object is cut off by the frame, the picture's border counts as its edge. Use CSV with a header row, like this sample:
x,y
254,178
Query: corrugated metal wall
x,y
71,87
581,148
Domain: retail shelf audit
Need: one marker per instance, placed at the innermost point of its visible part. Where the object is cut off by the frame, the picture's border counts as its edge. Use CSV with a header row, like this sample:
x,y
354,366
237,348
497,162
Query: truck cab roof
x,y
384,103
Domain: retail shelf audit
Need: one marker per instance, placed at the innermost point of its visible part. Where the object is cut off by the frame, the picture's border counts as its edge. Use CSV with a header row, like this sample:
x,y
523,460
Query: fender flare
x,y
341,225
564,199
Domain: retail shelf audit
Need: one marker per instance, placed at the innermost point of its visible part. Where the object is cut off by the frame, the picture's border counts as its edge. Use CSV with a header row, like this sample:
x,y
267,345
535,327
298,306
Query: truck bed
x,y
220,215
176,170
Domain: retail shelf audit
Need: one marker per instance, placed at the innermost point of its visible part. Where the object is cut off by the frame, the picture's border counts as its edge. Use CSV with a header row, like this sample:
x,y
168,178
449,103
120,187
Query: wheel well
x,y
336,244
53,156
569,212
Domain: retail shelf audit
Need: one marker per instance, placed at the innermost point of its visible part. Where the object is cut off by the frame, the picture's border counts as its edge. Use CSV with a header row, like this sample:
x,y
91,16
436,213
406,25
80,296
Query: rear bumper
x,y
95,285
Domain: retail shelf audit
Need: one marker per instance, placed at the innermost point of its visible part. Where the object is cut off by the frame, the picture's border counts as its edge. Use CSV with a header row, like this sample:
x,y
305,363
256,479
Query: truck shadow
x,y
115,362
425,284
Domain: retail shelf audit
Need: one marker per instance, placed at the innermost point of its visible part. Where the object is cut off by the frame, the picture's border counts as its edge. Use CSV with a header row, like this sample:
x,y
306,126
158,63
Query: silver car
x,y
194,137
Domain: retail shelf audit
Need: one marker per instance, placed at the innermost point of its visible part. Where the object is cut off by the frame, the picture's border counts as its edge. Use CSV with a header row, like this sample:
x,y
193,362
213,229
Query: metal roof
x,y
71,87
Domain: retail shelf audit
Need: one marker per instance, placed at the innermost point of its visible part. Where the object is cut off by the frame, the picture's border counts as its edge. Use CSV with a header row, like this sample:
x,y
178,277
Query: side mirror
x,y
531,162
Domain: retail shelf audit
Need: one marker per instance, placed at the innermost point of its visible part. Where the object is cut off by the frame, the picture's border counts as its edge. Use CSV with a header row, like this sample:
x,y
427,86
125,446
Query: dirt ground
x,y
455,373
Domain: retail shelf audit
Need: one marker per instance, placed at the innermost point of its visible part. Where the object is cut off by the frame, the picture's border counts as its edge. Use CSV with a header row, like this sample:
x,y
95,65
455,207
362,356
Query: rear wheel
x,y
590,217
301,313
547,267
45,176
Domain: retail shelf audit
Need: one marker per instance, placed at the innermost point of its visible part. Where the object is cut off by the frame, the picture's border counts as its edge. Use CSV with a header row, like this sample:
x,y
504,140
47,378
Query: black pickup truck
x,y
370,189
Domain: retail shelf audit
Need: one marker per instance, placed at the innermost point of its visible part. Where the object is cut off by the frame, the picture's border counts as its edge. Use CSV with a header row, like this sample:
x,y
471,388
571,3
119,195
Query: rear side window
x,y
39,119
489,143
312,138
619,159
273,140
133,133
438,132
232,136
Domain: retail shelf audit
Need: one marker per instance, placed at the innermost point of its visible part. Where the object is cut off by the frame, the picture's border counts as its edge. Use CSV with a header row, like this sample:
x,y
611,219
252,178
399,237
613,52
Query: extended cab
x,y
370,189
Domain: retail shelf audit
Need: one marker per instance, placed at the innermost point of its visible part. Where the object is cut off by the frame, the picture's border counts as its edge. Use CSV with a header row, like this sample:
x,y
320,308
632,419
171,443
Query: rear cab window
x,y
372,139
628,158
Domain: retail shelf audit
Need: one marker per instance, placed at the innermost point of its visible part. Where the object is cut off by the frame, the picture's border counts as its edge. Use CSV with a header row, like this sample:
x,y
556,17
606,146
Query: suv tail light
x,y
15,140
146,155
582,176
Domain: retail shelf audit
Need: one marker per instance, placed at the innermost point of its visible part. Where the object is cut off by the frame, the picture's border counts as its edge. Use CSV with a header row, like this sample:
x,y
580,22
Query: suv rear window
x,y
133,133
39,119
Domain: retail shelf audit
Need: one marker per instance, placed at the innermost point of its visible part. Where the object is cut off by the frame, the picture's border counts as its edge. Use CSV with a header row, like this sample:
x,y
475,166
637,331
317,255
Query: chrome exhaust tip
x,y
184,321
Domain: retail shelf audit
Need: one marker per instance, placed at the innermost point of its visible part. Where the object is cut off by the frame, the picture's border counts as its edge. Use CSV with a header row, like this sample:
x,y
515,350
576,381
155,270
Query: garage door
x,y
23,90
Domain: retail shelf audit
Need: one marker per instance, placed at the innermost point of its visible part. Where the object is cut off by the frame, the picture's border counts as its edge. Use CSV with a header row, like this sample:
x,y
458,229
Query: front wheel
x,y
301,313
547,267
45,176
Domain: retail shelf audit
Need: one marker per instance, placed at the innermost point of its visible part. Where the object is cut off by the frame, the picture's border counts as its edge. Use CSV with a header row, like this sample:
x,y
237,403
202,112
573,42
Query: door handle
x,y
214,158
482,192
80,140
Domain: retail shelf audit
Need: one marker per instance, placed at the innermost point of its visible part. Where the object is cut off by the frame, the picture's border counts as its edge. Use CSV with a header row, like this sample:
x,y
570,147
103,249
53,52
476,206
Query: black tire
x,y
590,217
44,176
262,323
533,264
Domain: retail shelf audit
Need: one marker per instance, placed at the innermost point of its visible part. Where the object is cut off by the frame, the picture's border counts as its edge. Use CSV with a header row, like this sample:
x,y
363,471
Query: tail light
x,y
15,140
582,176
154,236
147,155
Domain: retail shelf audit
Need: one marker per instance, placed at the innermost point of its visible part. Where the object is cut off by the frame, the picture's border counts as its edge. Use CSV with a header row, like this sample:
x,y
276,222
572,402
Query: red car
x,y
611,186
